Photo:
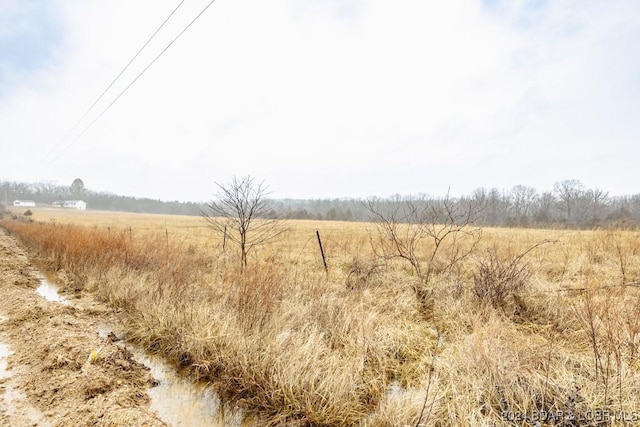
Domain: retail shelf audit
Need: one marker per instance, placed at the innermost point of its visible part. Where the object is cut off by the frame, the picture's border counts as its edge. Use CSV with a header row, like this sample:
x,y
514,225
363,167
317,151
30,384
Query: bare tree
x,y
633,204
598,201
522,200
414,229
495,205
569,193
544,208
243,215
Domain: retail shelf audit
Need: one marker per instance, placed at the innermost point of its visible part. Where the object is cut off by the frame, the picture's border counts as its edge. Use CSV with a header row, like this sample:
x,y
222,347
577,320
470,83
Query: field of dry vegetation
x,y
507,335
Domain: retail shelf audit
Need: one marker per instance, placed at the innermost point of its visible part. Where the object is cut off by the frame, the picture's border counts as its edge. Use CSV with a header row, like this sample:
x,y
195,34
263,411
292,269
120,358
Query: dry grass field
x,y
552,336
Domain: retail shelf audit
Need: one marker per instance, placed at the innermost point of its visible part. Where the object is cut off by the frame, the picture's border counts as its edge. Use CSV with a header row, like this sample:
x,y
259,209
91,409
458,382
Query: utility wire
x,y
111,84
134,80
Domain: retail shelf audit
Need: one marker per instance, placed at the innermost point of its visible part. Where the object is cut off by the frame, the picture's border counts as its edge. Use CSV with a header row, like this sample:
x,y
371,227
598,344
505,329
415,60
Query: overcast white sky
x,y
323,98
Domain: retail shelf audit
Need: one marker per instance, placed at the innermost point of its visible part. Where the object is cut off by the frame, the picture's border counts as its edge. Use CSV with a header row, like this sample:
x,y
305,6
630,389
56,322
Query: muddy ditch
x,y
176,399
61,366
13,405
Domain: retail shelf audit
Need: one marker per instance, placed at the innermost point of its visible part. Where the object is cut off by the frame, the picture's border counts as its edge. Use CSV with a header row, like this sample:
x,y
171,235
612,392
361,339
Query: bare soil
x,y
52,378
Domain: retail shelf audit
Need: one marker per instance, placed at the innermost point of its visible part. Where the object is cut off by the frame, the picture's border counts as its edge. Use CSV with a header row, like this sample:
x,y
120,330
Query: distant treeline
x,y
569,205
47,193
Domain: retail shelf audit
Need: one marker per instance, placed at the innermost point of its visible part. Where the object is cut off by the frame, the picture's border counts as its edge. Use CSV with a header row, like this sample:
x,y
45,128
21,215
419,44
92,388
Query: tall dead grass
x,y
309,351
351,347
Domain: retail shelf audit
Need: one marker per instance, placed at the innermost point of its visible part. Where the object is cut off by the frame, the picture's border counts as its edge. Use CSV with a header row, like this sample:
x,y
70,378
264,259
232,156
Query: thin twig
x,y
426,397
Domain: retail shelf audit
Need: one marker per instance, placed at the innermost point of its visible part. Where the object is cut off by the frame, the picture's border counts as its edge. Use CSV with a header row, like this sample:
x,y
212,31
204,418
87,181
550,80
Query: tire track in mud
x,y
50,378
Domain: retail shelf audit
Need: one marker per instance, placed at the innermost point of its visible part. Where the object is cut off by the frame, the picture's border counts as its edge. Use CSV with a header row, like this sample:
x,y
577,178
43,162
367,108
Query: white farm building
x,y
24,203
71,204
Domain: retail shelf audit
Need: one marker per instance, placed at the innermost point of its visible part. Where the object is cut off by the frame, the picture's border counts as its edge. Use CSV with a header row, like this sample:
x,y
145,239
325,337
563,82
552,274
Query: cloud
x,y
332,98
29,35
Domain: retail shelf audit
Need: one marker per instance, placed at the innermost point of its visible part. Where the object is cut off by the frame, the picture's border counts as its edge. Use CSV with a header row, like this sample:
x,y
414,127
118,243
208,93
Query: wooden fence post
x,y
224,239
324,261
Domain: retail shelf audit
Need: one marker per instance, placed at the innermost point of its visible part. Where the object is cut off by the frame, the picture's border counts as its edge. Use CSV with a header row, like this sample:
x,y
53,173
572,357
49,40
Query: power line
x,y
132,82
112,83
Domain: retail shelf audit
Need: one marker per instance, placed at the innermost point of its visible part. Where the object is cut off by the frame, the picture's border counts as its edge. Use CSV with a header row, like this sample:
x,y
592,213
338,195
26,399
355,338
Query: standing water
x,y
5,352
10,394
49,292
180,402
177,400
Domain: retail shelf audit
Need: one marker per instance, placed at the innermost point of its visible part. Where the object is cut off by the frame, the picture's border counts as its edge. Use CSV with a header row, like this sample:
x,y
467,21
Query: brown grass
x,y
351,347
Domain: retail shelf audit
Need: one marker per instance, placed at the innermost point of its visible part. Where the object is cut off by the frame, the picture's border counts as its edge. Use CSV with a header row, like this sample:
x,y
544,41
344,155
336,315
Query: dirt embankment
x,y
51,375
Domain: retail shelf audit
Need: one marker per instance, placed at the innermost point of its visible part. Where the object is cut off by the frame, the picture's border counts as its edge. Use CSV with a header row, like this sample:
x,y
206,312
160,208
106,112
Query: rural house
x,y
24,203
71,204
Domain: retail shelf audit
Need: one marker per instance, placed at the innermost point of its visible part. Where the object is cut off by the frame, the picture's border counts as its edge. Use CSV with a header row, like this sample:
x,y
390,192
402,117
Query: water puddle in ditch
x,y
177,400
10,395
49,291
5,352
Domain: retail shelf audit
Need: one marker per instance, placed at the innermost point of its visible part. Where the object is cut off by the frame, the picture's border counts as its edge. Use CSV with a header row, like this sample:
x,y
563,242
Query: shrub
x,y
498,279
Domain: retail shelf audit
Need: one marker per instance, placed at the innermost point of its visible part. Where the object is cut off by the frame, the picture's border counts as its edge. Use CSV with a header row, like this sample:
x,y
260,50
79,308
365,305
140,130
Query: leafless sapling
x,y
241,212
415,228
